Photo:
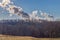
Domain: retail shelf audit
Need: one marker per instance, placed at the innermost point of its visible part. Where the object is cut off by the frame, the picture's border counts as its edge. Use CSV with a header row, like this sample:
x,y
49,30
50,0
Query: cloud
x,y
4,3
17,10
47,16
13,9
43,14
34,13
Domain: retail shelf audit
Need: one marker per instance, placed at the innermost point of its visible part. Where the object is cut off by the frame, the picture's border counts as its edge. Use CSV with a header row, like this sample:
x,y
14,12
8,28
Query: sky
x,y
50,6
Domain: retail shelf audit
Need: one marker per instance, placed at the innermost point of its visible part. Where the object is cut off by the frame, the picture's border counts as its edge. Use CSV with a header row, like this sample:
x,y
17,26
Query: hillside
x,y
42,29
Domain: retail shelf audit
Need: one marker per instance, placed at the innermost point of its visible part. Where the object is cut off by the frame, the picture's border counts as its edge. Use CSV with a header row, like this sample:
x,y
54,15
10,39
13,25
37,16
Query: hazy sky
x,y
50,6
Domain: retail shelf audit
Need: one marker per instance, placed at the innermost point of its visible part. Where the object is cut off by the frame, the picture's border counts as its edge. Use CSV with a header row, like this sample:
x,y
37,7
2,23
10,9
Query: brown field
x,y
4,37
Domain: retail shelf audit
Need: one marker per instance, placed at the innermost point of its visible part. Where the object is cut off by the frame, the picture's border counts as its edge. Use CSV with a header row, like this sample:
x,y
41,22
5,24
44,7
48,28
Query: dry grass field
x,y
4,37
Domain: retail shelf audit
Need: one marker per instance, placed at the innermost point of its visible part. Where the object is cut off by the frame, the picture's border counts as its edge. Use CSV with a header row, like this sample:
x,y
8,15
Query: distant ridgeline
x,y
50,29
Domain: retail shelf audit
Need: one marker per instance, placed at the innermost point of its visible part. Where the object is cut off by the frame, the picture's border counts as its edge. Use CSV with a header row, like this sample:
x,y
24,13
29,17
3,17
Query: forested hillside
x,y
30,28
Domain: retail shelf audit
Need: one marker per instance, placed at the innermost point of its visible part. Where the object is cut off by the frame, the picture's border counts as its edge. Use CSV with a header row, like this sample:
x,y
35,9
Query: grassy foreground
x,y
4,37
